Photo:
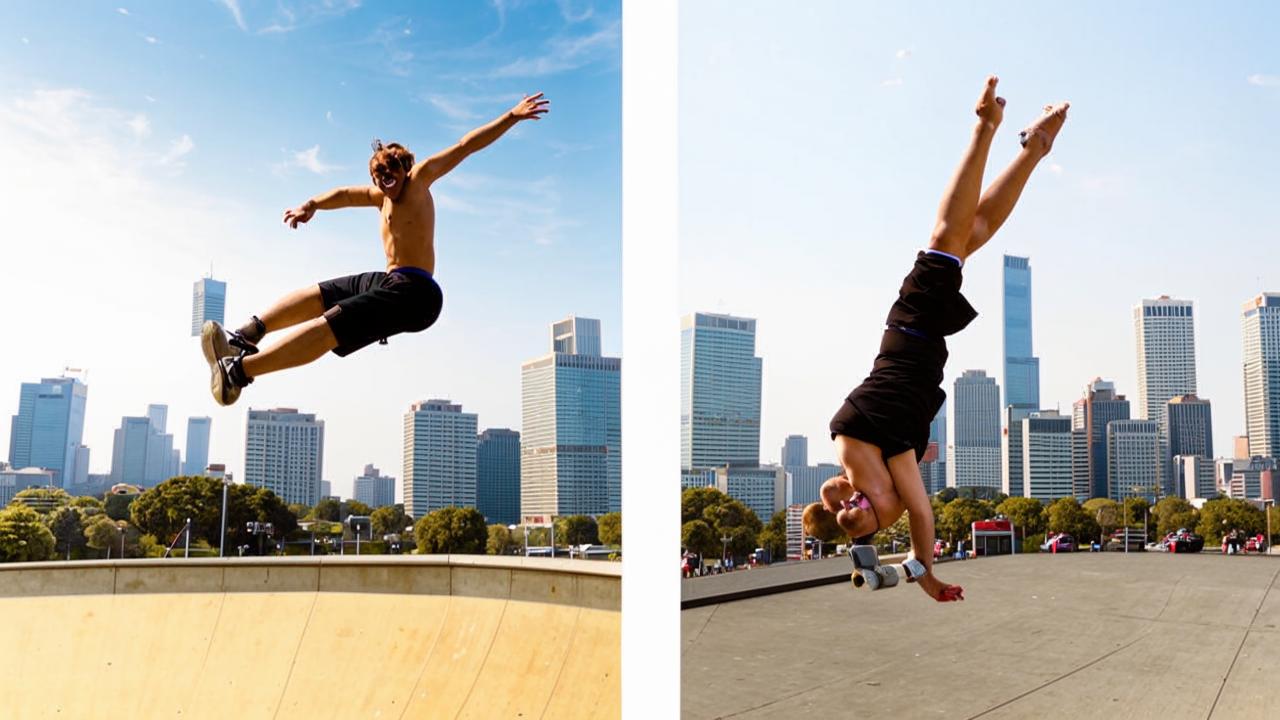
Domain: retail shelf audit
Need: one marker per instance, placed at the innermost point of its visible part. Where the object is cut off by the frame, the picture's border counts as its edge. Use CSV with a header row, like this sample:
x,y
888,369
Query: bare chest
x,y
411,218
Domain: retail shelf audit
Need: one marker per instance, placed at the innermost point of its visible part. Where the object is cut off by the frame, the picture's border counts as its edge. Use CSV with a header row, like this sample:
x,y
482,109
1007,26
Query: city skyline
x,y
886,103
190,129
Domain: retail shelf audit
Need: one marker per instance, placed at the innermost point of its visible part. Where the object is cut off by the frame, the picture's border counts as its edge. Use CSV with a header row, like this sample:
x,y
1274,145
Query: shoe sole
x,y
213,342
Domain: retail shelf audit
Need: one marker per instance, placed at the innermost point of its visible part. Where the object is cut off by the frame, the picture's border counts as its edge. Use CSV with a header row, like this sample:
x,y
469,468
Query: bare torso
x,y
409,228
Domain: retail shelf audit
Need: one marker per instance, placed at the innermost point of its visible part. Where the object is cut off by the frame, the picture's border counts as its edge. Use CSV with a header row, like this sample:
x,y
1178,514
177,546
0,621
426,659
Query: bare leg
x,y
304,345
959,204
298,306
998,199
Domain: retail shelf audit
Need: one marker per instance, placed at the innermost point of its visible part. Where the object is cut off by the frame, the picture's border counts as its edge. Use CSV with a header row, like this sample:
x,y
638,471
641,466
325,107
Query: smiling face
x,y
389,167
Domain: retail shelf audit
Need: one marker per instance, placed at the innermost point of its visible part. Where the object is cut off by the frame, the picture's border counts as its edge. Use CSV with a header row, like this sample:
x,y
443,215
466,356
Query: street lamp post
x,y
1267,513
121,529
222,541
724,552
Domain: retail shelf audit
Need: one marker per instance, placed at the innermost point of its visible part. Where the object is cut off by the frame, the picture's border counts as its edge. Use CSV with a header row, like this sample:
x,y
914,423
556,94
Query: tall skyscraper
x,y
1165,332
1021,368
373,489
197,445
1261,326
1099,406
795,451
208,302
719,392
1011,457
571,440
498,476
976,456
439,457
1190,422
1046,455
48,429
1133,456
284,452
142,452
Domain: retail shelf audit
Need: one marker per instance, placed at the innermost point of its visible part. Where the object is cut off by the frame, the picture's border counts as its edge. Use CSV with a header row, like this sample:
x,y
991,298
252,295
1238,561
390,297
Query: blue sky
x,y
141,143
816,142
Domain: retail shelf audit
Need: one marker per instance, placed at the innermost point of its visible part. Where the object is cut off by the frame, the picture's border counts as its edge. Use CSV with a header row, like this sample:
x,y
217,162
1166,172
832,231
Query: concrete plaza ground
x,y
1143,635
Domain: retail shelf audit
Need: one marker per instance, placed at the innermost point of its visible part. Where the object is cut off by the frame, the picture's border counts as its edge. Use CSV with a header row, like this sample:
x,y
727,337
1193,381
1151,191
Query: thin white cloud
x,y
328,115
178,149
151,39
903,54
566,53
290,18
140,126
468,108
309,159
148,98
570,15
25,41
1264,80
891,82
233,6
122,11
1055,168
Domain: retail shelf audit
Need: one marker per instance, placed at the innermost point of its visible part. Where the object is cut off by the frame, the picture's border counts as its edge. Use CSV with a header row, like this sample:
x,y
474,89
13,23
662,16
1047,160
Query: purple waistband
x,y
410,270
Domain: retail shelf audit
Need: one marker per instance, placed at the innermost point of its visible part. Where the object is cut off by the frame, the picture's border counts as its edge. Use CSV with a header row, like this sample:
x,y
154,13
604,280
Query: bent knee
x,y
950,239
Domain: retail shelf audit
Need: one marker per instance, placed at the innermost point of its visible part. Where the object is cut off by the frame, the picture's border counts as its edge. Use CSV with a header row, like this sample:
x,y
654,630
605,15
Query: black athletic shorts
x,y
362,309
893,407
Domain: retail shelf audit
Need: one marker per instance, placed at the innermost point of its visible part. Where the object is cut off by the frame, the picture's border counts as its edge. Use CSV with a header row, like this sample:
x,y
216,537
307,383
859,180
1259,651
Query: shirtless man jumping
x,y
881,430
348,313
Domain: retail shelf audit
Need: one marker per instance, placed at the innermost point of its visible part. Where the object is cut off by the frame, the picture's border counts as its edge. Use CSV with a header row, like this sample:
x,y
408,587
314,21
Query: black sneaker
x,y
213,341
225,390
241,343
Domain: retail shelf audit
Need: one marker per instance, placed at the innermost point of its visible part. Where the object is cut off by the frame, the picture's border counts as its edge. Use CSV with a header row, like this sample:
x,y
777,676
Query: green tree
x,y
1220,516
1274,512
389,520
355,507
300,510
42,499
898,532
1173,513
452,530
117,505
727,518
88,504
698,537
23,535
959,515
610,527
1027,514
101,534
67,527
1105,513
577,530
1065,515
947,494
326,509
693,501
1136,510
163,510
774,536
500,541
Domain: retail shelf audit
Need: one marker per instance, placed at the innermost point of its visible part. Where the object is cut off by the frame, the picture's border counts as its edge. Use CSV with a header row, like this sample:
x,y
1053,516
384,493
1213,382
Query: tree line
x,y
712,523
49,524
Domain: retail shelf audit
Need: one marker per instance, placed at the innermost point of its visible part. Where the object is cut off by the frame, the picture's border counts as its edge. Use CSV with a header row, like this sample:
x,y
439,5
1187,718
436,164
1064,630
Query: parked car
x,y
1061,542
1136,540
1183,541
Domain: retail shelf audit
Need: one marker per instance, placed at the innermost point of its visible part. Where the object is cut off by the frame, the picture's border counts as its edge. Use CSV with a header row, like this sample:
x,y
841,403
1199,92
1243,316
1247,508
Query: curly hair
x,y
821,523
391,154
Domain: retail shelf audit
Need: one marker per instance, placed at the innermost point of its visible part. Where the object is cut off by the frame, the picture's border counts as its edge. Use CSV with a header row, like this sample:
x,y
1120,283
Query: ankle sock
x,y
253,330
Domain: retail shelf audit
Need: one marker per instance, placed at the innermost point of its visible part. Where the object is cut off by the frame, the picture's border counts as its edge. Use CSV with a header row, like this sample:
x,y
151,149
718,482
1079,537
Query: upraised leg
x,y
998,199
959,205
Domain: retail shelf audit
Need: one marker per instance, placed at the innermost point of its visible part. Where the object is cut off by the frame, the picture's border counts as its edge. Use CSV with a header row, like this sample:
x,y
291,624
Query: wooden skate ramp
x,y
371,637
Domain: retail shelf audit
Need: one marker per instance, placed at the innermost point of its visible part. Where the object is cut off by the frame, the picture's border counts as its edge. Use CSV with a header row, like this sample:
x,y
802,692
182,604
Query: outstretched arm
x,y
532,107
365,195
906,480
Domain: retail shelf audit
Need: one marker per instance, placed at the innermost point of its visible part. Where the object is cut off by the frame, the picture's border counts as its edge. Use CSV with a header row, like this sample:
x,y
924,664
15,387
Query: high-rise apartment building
x,y
1013,474
795,451
571,440
142,452
1046,455
1100,405
197,445
208,302
498,476
804,482
1190,422
976,453
373,489
937,468
284,452
1021,368
719,392
439,457
1133,456
1260,322
763,489
1165,332
48,429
